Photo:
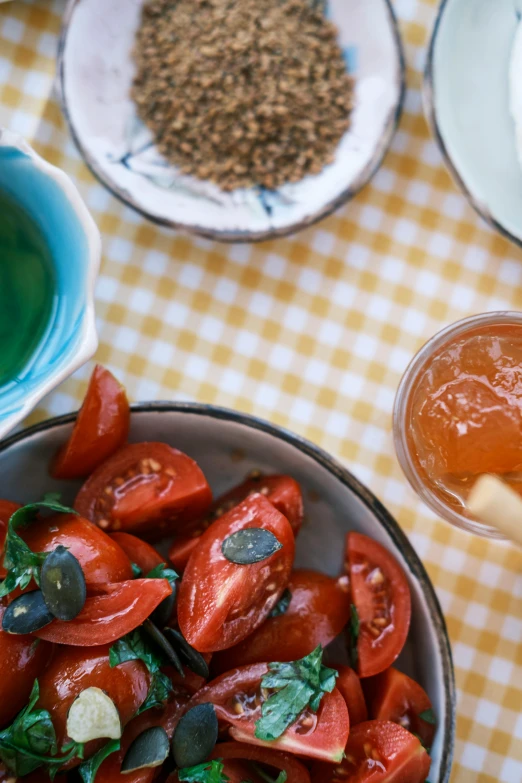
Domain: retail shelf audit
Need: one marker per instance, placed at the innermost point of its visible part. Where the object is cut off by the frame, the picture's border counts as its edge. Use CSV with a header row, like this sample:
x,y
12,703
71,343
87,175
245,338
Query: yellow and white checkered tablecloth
x,y
312,332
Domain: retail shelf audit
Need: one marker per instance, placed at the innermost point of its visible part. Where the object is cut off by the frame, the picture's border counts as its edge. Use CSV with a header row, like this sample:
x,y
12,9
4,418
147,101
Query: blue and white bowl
x,y
96,71
473,81
49,197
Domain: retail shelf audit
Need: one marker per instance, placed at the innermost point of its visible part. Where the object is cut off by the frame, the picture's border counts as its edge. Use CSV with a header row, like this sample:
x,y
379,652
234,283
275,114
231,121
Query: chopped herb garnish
x,y
209,772
136,646
282,605
162,571
298,685
21,563
428,716
30,741
90,767
281,778
136,571
355,627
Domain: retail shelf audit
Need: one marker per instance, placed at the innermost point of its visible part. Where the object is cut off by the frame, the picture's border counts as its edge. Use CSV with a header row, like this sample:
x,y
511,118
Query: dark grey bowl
x,y
227,445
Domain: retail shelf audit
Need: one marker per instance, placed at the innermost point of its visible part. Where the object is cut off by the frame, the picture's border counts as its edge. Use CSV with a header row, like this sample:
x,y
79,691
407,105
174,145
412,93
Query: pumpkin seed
x,y
149,749
188,655
162,613
250,545
63,584
26,614
93,715
195,736
160,641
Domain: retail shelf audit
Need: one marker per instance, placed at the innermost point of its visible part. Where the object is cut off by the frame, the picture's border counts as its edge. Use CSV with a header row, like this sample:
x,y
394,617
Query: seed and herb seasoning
x,y
242,92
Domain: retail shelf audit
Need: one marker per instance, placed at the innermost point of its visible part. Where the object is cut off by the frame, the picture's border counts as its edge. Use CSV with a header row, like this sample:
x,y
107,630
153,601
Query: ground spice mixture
x,y
242,92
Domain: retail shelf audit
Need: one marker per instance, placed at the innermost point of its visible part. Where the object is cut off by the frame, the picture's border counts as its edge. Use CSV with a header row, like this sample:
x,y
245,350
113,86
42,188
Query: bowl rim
x,y
88,337
430,112
350,192
346,478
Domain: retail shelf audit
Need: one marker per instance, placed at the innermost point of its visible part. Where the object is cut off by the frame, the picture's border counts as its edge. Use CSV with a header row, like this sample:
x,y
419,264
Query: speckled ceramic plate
x,y
467,97
228,445
96,72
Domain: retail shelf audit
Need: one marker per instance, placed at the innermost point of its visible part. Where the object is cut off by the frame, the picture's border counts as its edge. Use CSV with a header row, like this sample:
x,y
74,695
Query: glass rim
x,y
402,397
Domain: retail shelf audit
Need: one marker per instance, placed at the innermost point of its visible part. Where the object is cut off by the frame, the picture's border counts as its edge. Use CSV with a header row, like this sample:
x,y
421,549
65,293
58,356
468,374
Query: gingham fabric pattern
x,y
312,332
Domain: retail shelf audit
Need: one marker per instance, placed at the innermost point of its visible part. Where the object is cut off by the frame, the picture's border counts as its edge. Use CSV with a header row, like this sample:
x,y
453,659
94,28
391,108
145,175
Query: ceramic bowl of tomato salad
x,y
193,594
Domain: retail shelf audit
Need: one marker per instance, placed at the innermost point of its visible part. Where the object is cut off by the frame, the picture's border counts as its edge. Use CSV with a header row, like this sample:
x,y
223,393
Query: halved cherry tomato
x,y
349,686
138,551
74,669
101,427
149,489
318,611
167,717
378,751
282,491
23,659
237,697
108,617
220,602
282,762
102,560
381,595
394,696
7,509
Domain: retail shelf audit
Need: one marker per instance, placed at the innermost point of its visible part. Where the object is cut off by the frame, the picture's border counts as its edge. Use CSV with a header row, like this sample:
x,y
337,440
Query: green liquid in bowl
x,y
27,288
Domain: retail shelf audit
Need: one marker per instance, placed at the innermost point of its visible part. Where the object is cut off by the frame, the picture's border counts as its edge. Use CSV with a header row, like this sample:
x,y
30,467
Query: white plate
x,y
96,72
228,445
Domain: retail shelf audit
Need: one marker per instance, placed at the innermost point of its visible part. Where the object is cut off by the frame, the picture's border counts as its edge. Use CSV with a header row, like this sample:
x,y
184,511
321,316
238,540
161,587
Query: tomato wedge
x,y
23,658
108,617
167,717
318,611
394,696
7,509
139,552
282,762
381,595
237,697
101,427
149,489
73,669
380,752
349,686
102,560
220,602
282,491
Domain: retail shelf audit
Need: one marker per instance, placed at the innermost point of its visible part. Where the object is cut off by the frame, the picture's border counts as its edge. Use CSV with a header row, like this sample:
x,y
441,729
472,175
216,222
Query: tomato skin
x,y
283,762
138,551
110,616
378,752
167,717
394,696
325,739
219,602
318,612
73,669
101,427
381,595
23,659
154,491
349,686
102,560
282,491
7,509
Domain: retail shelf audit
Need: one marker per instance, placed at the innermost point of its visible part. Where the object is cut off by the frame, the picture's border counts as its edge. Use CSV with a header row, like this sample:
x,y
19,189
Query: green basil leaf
x,y
209,772
282,605
281,778
90,767
21,563
136,571
428,716
136,646
159,691
162,571
297,685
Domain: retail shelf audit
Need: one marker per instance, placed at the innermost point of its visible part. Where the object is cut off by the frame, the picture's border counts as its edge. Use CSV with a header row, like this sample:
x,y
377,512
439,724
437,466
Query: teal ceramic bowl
x,y
468,101
51,200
